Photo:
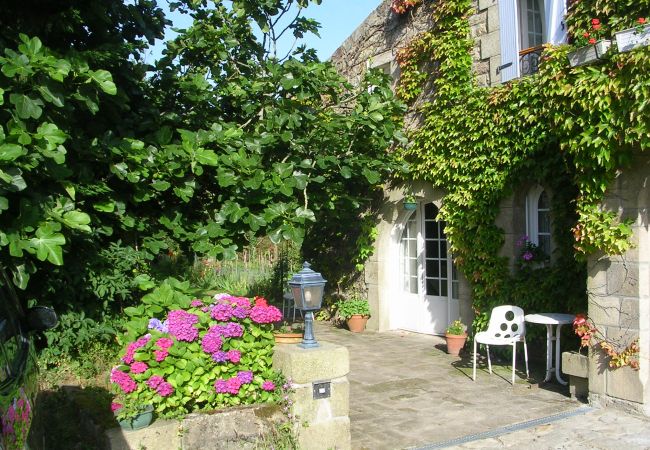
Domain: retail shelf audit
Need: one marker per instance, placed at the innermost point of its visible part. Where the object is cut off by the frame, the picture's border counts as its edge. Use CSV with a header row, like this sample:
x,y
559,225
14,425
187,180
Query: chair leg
x,y
489,360
474,362
526,358
514,360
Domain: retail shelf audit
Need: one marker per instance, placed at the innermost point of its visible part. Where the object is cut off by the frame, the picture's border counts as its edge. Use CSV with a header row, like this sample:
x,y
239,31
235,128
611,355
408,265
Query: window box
x,y
632,38
589,53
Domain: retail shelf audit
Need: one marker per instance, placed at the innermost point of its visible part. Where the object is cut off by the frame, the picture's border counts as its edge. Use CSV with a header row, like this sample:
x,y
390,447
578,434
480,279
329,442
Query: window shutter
x,y
509,34
556,29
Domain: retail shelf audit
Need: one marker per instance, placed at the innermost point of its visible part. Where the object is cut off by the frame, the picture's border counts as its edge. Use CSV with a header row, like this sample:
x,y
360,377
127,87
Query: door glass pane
x,y
430,211
409,255
432,268
433,286
443,288
443,249
443,269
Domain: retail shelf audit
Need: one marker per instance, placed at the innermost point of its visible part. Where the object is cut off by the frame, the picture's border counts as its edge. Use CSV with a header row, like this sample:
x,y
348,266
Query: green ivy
x,y
569,129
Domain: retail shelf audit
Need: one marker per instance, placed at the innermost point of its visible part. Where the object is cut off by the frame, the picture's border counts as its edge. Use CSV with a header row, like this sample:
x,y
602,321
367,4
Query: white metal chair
x,y
506,327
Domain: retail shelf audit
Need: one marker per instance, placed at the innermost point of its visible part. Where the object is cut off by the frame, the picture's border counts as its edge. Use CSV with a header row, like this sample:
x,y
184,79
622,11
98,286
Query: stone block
x,y
373,302
227,429
578,387
605,311
493,18
490,45
326,362
160,434
597,372
624,383
623,279
575,364
495,78
477,19
478,29
333,434
371,272
318,410
485,4
483,80
629,316
597,276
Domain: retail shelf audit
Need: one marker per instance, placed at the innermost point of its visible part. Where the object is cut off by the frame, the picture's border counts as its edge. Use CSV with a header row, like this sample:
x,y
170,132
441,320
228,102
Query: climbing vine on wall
x,y
569,129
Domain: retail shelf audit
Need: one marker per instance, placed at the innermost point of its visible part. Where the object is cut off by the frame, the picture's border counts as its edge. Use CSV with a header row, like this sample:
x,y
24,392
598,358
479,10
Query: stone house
x,y
411,279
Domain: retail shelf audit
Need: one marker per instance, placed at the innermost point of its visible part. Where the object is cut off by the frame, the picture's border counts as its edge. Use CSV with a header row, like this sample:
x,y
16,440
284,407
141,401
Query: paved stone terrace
x,y
406,392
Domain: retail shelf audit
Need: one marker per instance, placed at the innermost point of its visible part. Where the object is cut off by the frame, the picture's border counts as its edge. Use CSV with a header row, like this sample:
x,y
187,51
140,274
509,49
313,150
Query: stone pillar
x,y
321,393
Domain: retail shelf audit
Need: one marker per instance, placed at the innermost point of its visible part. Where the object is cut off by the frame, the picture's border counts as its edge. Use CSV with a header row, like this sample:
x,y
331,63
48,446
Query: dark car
x,y
18,371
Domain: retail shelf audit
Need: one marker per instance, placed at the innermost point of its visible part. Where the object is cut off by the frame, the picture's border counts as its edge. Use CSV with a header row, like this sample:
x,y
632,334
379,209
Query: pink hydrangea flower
x,y
133,346
138,367
164,343
265,314
160,355
220,386
234,356
154,381
221,312
123,380
181,325
233,385
211,342
115,406
165,389
268,385
196,303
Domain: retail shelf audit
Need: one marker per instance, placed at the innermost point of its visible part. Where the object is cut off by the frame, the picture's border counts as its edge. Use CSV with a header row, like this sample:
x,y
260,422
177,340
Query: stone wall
x,y
375,42
619,295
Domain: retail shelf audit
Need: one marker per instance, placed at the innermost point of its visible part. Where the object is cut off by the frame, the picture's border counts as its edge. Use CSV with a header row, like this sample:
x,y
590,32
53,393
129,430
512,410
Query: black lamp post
x,y
307,288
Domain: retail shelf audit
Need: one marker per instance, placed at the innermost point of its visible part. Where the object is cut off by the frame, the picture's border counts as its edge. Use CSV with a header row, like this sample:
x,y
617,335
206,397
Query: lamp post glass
x,y
307,288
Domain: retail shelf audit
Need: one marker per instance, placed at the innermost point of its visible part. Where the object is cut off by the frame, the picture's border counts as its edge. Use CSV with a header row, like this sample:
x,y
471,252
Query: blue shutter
x,y
509,34
556,29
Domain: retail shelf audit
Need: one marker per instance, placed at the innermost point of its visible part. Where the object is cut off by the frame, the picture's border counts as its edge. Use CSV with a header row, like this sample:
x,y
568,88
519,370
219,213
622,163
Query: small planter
x,y
632,38
455,342
589,53
139,421
287,338
357,323
410,206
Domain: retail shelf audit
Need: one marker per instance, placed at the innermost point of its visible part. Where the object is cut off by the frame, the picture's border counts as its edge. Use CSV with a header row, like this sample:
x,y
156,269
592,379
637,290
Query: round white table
x,y
552,320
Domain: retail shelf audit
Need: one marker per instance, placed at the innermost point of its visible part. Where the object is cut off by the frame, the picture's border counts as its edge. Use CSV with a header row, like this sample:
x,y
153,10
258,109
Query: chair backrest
x,y
507,322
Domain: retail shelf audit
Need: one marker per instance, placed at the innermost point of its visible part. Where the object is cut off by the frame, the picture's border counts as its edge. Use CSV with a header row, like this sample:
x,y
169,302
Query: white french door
x,y
429,283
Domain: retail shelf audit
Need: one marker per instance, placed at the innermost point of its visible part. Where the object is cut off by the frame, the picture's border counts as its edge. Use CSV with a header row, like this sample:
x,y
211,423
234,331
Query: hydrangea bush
x,y
213,353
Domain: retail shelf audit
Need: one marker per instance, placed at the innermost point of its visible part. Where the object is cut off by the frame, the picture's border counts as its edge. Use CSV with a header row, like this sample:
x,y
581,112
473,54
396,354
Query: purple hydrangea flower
x,y
219,356
246,376
211,342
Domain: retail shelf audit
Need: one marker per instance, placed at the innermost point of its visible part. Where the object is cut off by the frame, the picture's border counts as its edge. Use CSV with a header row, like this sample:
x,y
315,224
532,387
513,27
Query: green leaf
x,y
371,175
9,152
77,220
105,81
4,204
207,157
26,107
160,185
47,244
105,206
51,97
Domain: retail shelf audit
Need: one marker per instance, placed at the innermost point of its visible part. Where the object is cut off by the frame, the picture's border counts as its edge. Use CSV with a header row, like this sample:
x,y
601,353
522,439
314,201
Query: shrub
x,y
210,354
349,308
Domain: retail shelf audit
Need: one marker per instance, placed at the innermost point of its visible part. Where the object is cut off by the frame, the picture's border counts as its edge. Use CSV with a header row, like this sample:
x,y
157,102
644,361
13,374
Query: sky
x,y
338,19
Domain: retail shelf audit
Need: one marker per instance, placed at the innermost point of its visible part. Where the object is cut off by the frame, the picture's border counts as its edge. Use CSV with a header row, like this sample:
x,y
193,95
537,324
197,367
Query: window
x,y
409,247
538,219
525,25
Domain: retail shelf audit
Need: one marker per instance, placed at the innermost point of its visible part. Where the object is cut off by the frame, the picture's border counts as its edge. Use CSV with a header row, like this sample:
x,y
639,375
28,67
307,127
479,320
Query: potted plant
x,y
591,45
289,333
410,202
456,336
133,417
638,36
355,312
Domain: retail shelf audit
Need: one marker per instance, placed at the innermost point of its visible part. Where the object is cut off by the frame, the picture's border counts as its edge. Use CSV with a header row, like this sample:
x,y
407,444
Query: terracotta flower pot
x,y
287,338
357,323
455,342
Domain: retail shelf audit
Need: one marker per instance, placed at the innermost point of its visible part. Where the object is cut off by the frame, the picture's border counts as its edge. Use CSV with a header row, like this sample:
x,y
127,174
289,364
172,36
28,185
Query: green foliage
x,y
353,306
187,366
456,328
568,129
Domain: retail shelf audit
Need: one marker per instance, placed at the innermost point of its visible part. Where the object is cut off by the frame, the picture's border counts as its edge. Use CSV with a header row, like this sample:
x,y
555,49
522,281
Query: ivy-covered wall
x,y
575,131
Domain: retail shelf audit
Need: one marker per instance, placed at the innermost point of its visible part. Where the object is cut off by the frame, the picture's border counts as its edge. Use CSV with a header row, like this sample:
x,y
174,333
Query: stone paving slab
x,y
406,392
